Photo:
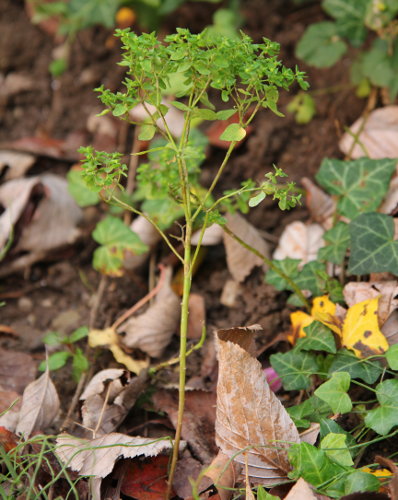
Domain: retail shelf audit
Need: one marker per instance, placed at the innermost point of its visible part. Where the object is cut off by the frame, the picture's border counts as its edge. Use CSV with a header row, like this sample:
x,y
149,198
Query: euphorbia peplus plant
x,y
245,75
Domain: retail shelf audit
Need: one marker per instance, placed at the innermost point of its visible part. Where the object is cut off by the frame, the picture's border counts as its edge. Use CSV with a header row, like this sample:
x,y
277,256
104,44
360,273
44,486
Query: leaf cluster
x,y
324,43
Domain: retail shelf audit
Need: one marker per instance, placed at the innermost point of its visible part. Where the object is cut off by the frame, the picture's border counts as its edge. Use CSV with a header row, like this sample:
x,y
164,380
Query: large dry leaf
x,y
97,457
379,135
40,405
17,370
241,261
108,397
300,241
249,416
301,491
355,292
152,331
320,205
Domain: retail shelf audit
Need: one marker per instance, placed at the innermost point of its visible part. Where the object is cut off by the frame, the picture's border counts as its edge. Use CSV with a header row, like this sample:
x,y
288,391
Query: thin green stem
x,y
271,265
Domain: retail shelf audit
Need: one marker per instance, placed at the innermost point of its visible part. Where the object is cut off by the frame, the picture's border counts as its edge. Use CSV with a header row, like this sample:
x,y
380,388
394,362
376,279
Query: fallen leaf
x,y
213,235
230,293
17,370
361,331
40,405
152,330
300,241
325,311
379,135
97,457
299,320
301,491
108,397
187,470
14,84
146,480
197,315
110,339
249,416
241,261
148,235
320,205
390,203
15,164
8,440
387,291
393,483
311,434
223,471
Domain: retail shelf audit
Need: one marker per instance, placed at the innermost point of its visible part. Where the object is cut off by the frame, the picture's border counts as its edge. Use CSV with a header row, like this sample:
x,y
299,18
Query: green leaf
x,y
55,361
303,106
321,45
312,409
373,248
318,338
359,184
312,464
349,17
181,106
384,418
262,494
336,449
120,109
327,425
256,200
78,334
116,239
58,67
225,114
289,267
52,338
234,132
146,132
205,114
392,357
310,277
80,364
338,239
360,480
346,361
77,187
334,392
294,368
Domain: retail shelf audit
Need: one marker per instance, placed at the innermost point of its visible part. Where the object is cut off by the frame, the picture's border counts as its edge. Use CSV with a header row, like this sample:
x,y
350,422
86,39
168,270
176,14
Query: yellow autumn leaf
x,y
379,473
361,331
299,321
110,339
324,310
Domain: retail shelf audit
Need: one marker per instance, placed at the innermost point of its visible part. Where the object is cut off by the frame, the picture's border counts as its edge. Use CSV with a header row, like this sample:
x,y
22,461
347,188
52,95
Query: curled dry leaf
x,y
355,292
40,405
241,261
152,331
301,491
148,235
300,241
320,205
97,457
379,135
15,164
108,397
223,472
311,434
249,416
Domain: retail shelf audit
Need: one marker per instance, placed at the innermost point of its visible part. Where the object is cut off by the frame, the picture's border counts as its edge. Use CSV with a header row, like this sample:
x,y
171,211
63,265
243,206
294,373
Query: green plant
x,y
245,75
324,43
69,351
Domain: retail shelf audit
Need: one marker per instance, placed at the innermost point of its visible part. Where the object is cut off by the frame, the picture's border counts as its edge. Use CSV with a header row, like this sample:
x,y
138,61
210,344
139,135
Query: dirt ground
x,y
57,294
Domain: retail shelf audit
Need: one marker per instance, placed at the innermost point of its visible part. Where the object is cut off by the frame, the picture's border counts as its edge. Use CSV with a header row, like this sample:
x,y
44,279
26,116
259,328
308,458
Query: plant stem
x,y
271,265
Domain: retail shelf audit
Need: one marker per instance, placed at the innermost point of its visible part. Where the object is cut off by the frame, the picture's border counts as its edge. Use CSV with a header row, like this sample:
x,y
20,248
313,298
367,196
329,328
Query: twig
x,y
143,301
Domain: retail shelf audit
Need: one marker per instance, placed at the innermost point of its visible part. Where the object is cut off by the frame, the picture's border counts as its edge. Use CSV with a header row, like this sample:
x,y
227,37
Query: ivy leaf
x,y
115,239
234,132
346,361
318,338
349,18
392,357
294,368
335,447
384,418
360,480
334,392
338,239
289,267
360,184
327,425
321,45
373,248
312,409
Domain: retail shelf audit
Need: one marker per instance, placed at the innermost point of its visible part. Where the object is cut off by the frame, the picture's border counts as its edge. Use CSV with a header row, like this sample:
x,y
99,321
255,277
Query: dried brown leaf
x,y
152,331
355,292
40,405
311,434
17,370
213,235
97,457
10,406
223,472
241,261
379,135
197,315
249,416
300,241
320,205
301,491
16,164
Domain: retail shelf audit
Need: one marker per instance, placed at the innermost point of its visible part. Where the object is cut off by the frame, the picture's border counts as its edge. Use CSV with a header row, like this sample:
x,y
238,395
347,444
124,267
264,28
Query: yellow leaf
x,y
379,473
109,338
324,310
361,331
299,321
